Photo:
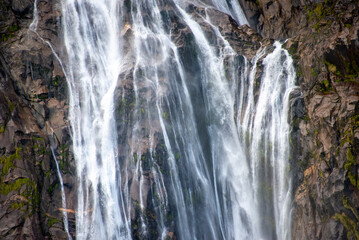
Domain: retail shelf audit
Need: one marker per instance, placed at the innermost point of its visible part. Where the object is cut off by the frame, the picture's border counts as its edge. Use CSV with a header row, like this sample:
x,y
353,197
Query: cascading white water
x,y
197,147
271,133
231,8
91,33
33,25
263,124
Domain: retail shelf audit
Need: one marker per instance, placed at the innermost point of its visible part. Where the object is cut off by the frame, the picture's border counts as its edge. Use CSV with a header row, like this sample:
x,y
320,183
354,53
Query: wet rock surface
x,y
34,117
33,108
323,40
141,141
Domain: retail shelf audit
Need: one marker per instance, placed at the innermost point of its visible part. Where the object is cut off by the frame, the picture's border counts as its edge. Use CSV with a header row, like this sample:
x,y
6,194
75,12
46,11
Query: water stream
x,y
63,196
173,133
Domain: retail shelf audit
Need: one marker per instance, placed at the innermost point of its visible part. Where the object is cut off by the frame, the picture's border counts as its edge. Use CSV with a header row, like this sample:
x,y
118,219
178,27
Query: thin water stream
x,y
63,196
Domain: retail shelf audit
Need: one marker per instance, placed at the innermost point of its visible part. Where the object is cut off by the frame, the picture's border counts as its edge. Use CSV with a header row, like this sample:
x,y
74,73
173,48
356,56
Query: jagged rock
x,y
33,104
21,6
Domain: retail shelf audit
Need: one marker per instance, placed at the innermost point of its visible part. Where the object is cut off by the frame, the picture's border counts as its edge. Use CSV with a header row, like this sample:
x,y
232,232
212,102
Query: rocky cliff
x,y
33,111
323,40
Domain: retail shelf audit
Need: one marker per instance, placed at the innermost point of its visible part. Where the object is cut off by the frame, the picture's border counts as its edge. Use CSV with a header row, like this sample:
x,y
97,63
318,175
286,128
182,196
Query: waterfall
x,y
174,134
265,131
35,21
91,33
231,8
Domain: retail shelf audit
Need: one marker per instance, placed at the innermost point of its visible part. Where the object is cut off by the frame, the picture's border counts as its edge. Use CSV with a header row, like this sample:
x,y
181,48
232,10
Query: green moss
x,y
48,173
52,221
64,157
316,26
350,78
322,14
350,159
348,72
8,162
348,206
314,72
332,68
5,37
355,120
62,166
9,33
52,188
325,86
38,138
2,128
16,185
351,70
349,166
23,186
349,225
320,11
11,106
326,83
39,146
17,205
299,72
13,28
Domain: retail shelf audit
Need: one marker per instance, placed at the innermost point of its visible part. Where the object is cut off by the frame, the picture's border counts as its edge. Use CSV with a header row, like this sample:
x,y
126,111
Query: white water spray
x,y
210,181
91,33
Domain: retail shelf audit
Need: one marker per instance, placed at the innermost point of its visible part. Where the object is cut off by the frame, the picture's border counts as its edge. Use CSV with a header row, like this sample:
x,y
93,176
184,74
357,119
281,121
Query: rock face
x,y
323,38
33,111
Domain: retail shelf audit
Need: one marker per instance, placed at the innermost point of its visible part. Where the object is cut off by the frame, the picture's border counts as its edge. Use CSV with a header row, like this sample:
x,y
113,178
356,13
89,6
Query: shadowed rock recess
x,y
323,40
